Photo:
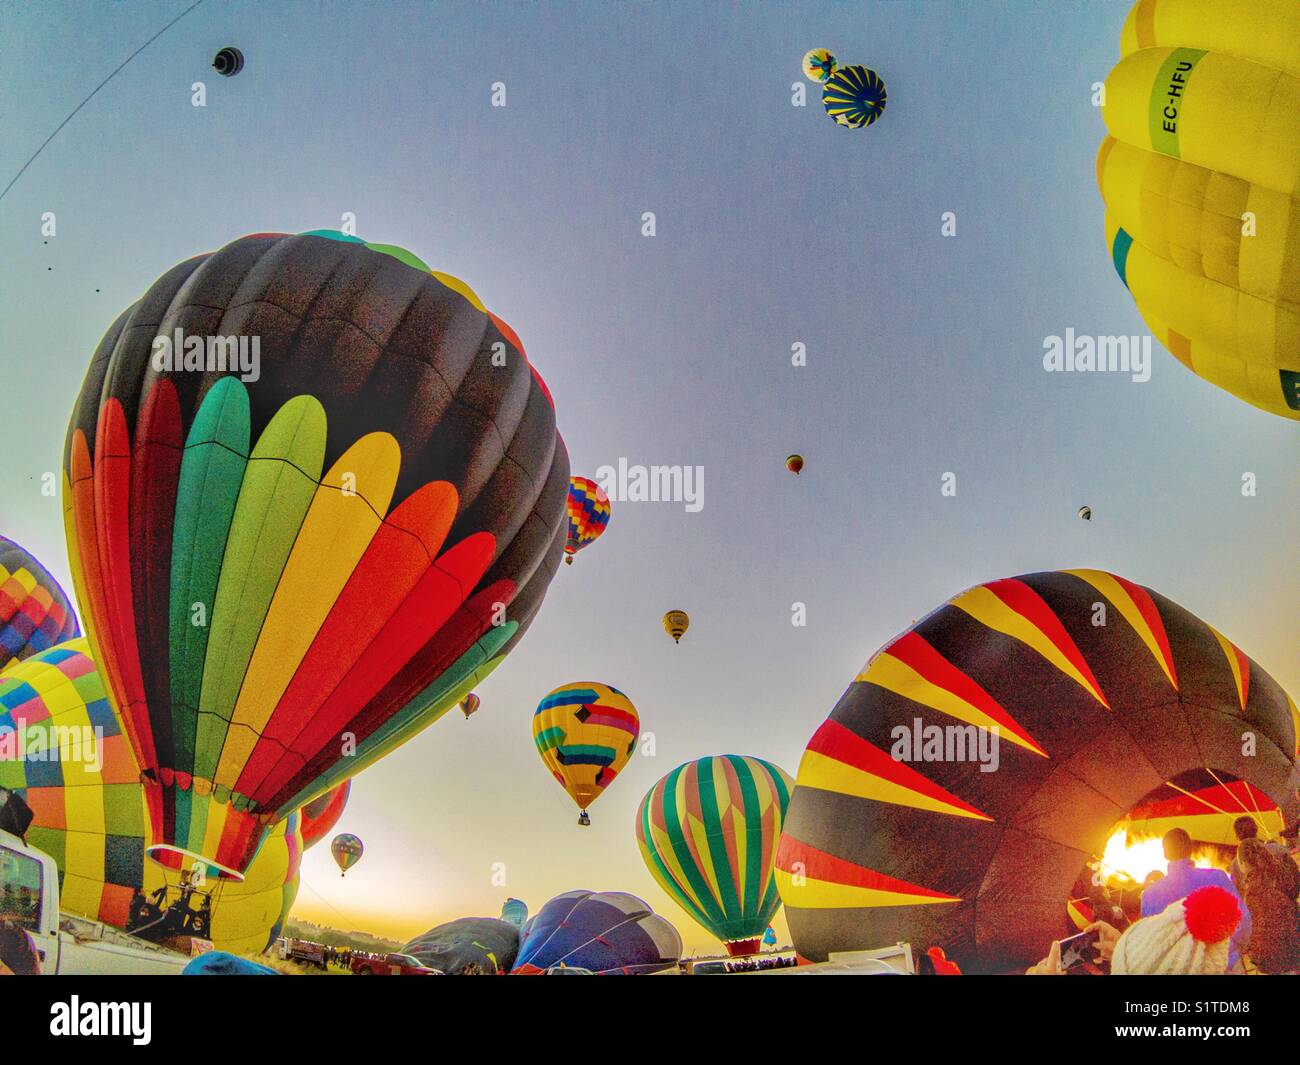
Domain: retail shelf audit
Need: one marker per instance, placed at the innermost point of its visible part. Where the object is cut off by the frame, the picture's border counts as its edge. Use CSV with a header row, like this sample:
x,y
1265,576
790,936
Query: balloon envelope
x,y
347,850
35,613
585,732
708,833
297,521
486,944
1200,177
589,511
854,96
896,832
608,933
516,912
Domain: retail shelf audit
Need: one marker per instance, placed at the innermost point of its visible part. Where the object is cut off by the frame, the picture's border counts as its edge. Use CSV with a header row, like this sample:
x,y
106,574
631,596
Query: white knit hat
x,y
1189,938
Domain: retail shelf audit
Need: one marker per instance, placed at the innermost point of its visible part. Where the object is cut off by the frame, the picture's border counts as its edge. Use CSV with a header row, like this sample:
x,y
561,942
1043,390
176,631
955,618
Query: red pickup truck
x,y
389,965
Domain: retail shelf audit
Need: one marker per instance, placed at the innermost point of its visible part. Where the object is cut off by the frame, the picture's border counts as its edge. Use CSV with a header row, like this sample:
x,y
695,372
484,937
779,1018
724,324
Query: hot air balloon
x,y
228,62
675,623
1199,173
609,933
34,611
708,833
794,463
818,65
1085,513
854,96
589,510
769,937
896,832
482,945
585,733
347,850
297,516
515,911
89,815
469,704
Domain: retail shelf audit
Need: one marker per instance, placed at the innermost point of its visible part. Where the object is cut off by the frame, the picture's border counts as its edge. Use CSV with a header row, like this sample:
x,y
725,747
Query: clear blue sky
x,y
774,226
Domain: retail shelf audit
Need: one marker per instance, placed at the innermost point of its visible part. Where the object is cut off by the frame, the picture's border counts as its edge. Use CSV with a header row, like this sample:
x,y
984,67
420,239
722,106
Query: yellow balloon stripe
x,y
826,774
1108,586
1263,31
810,894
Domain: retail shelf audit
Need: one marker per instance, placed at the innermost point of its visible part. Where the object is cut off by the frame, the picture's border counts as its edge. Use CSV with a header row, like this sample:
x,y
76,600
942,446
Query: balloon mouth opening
x,y
738,948
178,858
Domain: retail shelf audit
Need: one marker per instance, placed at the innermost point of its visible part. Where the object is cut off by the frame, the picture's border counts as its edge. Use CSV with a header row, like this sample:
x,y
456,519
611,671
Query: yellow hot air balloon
x,y
585,733
818,65
1200,175
676,622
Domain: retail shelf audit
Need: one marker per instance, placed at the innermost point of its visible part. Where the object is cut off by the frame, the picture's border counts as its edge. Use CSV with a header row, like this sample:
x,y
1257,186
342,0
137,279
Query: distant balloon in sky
x,y
347,850
606,932
585,732
35,613
228,62
854,96
708,833
794,463
818,65
1085,513
469,704
589,512
769,937
676,622
1200,175
340,540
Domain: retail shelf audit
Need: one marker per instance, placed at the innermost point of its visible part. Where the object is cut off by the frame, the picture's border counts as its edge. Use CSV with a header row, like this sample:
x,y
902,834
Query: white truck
x,y
66,944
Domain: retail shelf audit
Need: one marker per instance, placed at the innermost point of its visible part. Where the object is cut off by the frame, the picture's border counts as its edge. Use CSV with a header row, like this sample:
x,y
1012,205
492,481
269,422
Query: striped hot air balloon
x,y
282,545
347,850
980,759
854,96
708,833
589,511
585,732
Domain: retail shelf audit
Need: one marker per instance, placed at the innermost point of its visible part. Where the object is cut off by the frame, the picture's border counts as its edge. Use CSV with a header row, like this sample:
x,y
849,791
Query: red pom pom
x,y
1212,914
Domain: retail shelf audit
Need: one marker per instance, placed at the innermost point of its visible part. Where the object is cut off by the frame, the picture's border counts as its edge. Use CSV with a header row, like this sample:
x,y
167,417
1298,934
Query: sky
x,y
773,227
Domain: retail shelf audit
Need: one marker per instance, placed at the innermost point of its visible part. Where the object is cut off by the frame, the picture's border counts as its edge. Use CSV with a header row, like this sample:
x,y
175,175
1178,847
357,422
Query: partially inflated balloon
x,y
585,733
347,850
89,808
34,611
1200,174
482,945
339,537
608,932
589,511
854,96
708,833
515,911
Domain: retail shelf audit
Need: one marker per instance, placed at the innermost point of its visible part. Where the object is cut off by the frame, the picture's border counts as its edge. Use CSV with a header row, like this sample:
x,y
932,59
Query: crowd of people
x,y
759,963
1203,921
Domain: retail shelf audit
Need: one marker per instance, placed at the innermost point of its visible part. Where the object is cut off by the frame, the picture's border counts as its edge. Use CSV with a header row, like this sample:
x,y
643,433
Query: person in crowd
x,y
1245,828
1182,878
1192,936
1268,886
18,955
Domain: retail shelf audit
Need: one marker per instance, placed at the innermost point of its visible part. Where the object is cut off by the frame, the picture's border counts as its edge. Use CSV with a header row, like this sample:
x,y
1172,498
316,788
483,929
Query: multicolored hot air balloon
x,y
299,486
1200,176
675,623
469,704
34,611
608,933
89,811
708,833
898,829
585,732
589,511
818,65
479,945
854,96
347,850
794,463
